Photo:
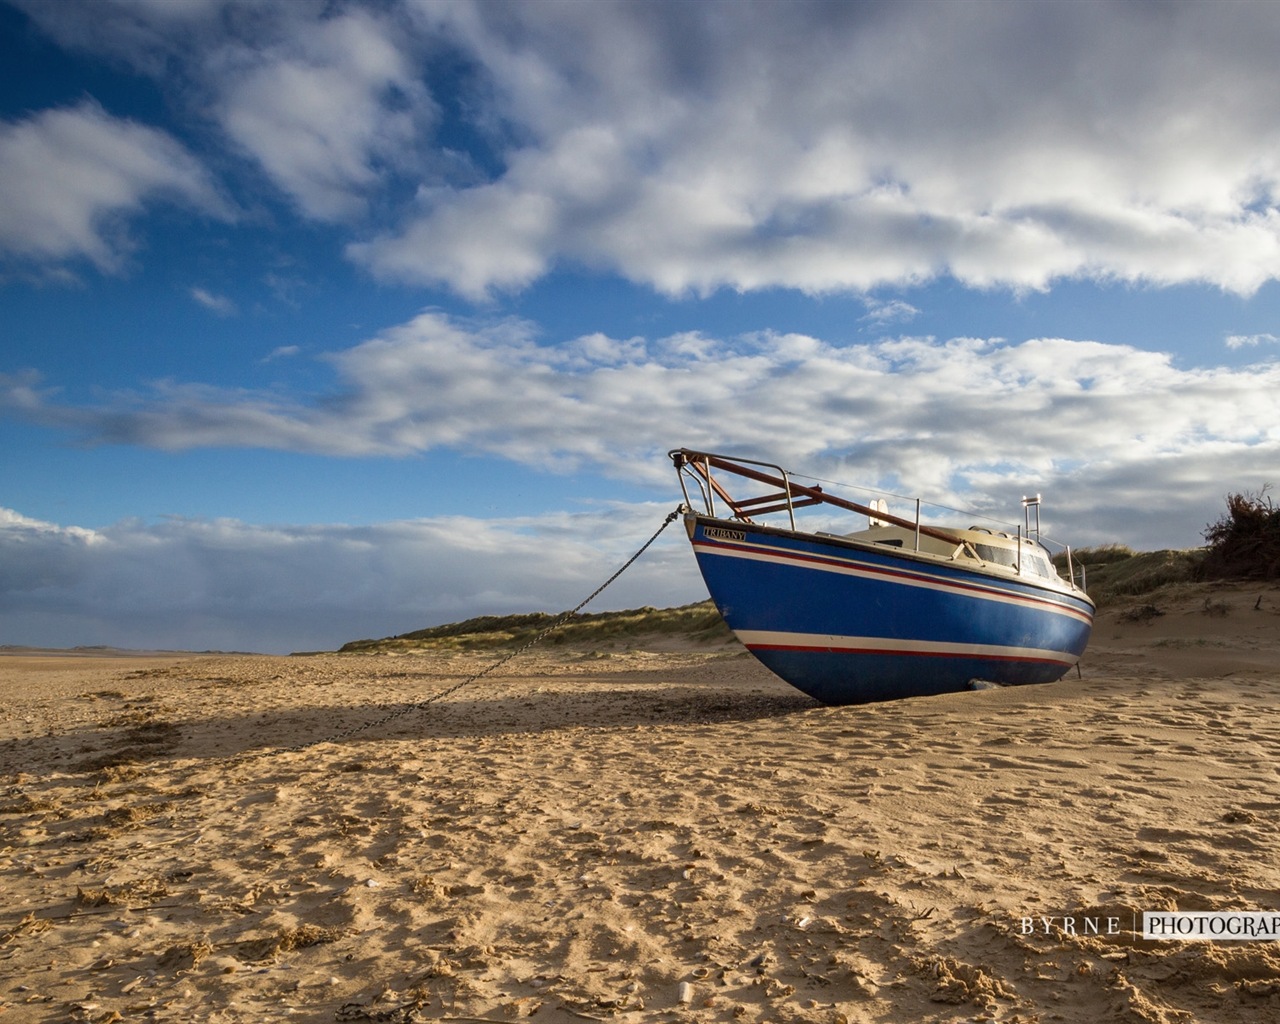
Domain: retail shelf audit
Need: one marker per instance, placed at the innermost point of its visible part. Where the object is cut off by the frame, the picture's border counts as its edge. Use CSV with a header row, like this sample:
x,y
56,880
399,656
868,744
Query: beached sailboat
x,y
899,609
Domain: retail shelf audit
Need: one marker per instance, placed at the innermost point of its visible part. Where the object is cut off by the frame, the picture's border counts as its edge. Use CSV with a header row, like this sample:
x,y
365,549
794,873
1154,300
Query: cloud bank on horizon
x,y
233,586
474,153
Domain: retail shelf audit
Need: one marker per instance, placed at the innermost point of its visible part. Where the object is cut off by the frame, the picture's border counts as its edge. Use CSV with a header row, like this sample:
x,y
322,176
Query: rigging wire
x,y
400,712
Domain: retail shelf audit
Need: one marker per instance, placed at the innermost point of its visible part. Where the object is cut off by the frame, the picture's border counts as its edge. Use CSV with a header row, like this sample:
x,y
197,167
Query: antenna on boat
x,y
1027,505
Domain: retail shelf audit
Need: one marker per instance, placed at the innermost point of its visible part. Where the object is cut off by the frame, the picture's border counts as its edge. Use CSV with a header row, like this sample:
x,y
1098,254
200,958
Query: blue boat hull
x,y
848,624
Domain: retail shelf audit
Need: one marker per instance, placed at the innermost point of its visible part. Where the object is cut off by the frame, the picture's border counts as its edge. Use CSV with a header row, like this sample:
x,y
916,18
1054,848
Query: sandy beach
x,y
653,832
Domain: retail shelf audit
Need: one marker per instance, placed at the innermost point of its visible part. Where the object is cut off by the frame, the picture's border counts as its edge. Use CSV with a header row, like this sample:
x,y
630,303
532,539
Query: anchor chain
x,y
419,705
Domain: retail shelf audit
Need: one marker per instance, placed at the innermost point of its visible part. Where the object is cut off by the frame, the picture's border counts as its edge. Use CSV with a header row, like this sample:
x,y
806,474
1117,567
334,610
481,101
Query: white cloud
x,y
225,584
475,241
1250,340
327,100
881,313
142,33
955,420
327,111
823,147
71,178
219,304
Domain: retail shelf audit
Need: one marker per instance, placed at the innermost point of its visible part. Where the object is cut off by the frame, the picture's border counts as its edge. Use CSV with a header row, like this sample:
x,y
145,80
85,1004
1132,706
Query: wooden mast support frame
x,y
785,499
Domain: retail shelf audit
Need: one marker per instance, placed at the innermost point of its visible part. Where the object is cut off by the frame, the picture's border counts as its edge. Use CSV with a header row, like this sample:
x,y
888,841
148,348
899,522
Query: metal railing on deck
x,y
699,465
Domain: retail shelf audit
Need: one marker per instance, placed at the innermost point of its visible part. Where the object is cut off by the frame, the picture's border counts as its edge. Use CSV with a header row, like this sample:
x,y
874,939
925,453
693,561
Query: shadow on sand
x,y
148,737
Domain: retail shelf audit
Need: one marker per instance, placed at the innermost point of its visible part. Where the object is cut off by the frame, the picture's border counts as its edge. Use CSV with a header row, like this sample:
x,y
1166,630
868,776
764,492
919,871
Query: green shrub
x,y
1245,541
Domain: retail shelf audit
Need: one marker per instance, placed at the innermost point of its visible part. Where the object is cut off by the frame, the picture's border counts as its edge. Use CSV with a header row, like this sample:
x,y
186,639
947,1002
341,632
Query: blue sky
x,y
333,320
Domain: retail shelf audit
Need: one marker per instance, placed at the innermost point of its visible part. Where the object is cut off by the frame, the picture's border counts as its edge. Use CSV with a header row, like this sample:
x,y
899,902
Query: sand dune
x,y
629,835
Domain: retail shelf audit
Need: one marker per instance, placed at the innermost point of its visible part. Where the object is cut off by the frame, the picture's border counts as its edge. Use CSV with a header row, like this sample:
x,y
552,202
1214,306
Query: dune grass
x,y
1113,571
699,622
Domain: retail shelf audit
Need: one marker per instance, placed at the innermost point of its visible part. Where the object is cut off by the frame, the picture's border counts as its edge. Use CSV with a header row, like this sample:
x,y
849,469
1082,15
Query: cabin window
x,y
1001,556
1038,565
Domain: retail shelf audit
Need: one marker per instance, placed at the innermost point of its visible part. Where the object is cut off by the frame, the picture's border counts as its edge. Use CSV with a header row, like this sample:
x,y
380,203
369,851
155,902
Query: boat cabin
x,y
989,548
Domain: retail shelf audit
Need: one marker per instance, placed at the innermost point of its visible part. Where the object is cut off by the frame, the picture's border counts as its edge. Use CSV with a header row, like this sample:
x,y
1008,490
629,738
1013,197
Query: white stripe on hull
x,y
761,638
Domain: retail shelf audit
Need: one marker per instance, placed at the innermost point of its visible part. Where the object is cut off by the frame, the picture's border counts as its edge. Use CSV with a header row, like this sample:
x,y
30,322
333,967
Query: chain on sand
x,y
408,709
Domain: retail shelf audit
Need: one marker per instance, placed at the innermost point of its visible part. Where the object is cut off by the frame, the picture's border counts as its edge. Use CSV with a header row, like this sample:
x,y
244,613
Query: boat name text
x,y
717,533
